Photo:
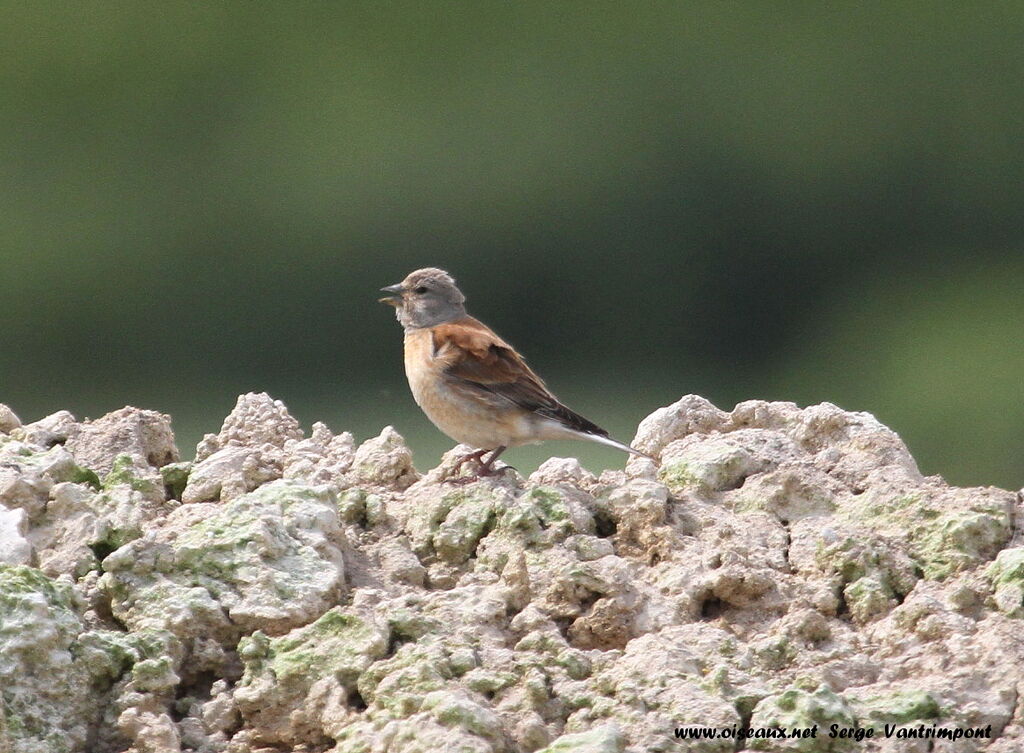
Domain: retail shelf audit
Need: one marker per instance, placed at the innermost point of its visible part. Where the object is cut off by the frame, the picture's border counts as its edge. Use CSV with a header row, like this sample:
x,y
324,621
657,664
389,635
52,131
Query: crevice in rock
x,y
1016,521
785,548
489,524
843,609
101,549
604,524
745,716
563,624
587,602
100,605
233,668
712,608
394,642
160,459
738,482
107,614
195,689
355,700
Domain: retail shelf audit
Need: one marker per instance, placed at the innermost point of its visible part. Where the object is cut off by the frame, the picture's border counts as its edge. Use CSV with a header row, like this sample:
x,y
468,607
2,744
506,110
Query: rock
x,y
323,458
14,547
248,451
692,414
384,460
562,471
28,474
296,686
8,420
1007,577
271,559
774,566
81,525
256,420
56,676
144,436
714,464
46,432
229,473
604,739
801,709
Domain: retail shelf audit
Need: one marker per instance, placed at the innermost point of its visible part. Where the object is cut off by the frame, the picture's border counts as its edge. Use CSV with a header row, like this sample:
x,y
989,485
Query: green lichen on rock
x,y
85,476
538,519
175,477
324,658
352,505
604,739
455,709
960,540
340,644
679,477
123,472
871,573
549,504
853,558
796,708
284,531
450,524
1006,575
469,519
109,654
867,597
944,535
398,684
713,465
56,463
53,673
899,707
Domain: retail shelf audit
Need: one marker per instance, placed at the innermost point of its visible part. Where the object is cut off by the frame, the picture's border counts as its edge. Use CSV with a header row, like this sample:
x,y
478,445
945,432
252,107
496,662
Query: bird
x,y
472,384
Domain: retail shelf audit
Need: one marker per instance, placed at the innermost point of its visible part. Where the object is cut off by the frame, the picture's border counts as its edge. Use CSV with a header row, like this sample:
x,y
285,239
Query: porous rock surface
x,y
771,566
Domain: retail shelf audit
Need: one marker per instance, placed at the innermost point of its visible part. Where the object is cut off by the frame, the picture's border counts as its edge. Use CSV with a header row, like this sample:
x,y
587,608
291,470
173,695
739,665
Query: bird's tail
x,y
606,440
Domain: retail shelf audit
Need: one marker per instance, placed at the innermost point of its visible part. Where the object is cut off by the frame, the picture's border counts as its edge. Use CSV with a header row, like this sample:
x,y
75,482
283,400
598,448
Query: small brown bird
x,y
471,383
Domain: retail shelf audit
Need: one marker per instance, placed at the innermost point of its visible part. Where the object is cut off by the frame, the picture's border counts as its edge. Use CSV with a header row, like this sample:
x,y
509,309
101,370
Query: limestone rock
x,y
14,547
256,420
773,566
271,559
56,428
144,436
9,421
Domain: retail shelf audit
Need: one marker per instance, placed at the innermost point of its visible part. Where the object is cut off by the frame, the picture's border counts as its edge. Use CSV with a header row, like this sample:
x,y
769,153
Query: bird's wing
x,y
474,357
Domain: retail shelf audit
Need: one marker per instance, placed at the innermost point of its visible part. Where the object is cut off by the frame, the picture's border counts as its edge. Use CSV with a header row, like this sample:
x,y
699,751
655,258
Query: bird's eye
x,y
420,290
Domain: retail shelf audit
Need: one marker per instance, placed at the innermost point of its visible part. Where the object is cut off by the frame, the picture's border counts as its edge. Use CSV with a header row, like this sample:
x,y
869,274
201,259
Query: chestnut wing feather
x,y
477,358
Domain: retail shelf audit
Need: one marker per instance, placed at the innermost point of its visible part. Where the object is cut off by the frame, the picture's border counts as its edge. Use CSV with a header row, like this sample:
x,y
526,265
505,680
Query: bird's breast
x,y
421,369
462,415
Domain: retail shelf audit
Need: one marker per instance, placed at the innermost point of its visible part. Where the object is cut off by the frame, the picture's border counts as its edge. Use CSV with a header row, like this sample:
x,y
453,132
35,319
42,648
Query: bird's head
x,y
425,298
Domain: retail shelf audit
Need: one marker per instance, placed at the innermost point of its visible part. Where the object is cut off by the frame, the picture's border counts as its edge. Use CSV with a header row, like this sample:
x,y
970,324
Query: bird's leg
x,y
487,469
474,456
482,468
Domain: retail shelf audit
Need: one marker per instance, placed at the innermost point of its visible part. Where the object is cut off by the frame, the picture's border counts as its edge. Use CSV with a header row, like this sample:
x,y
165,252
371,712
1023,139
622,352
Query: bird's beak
x,y
394,295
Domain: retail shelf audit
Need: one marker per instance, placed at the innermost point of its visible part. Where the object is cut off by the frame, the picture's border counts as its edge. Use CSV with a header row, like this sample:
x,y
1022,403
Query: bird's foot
x,y
475,457
491,471
482,470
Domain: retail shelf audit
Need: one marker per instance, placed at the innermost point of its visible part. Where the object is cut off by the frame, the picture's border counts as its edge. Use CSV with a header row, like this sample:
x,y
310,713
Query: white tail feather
x,y
612,443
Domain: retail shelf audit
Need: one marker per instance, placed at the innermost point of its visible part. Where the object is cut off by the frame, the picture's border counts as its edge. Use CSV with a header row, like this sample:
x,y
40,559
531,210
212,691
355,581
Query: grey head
x,y
425,298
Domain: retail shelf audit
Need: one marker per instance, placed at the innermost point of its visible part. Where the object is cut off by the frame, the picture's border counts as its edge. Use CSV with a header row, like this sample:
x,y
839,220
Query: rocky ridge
x,y
774,566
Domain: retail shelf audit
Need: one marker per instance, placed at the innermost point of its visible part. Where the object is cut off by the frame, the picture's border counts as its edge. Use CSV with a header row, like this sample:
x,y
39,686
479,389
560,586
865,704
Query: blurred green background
x,y
793,201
